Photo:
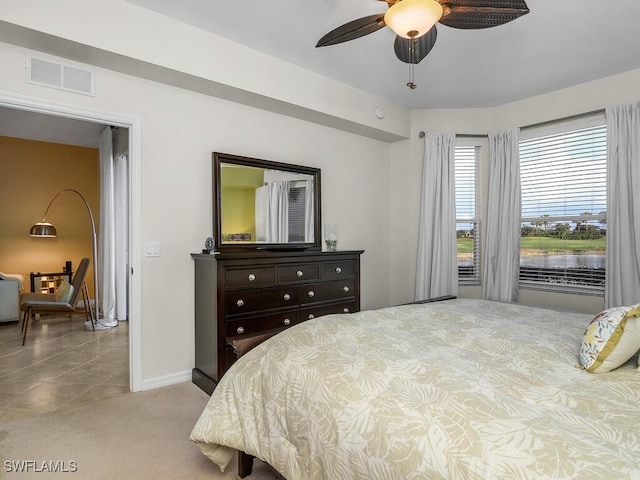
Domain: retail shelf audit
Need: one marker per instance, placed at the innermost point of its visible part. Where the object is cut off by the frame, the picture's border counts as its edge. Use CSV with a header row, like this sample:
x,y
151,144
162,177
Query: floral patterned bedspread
x,y
462,389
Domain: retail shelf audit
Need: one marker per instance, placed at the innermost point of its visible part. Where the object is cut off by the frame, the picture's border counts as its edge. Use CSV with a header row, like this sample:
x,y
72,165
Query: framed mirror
x,y
261,204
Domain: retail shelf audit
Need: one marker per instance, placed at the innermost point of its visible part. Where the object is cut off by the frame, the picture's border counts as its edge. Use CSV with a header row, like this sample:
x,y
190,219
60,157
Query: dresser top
x,y
272,254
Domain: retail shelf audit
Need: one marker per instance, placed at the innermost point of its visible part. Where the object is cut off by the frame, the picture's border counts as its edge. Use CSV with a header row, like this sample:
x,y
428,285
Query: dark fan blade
x,y
423,45
476,14
352,30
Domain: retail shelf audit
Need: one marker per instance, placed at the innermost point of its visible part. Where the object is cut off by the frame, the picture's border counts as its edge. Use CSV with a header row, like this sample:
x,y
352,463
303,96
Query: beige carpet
x,y
141,435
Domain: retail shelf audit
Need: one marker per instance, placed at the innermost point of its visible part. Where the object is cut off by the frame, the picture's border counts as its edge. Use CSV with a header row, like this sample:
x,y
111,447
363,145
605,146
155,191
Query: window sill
x,y
566,289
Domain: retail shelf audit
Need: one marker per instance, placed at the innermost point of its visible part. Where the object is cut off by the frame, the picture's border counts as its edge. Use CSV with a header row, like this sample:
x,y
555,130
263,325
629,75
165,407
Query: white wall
x,y
582,98
124,37
179,130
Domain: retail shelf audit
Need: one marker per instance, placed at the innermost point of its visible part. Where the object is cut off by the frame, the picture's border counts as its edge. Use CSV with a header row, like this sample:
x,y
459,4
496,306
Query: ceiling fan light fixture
x,y
413,18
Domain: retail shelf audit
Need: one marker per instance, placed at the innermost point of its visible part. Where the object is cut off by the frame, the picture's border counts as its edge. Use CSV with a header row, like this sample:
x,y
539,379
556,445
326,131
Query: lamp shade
x,y
413,18
43,229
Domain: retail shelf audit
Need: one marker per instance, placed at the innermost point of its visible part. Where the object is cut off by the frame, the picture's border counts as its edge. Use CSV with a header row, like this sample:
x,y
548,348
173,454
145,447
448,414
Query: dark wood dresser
x,y
243,298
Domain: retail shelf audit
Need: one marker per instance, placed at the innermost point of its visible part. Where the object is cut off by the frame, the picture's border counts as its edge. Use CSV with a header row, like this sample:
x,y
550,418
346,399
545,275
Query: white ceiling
x,y
558,44
48,128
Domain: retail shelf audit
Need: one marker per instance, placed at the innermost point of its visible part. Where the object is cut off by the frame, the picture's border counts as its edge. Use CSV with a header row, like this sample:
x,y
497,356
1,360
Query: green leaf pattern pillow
x,y
612,338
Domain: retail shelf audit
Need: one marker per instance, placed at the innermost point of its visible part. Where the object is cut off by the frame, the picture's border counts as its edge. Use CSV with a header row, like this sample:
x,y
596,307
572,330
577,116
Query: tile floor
x,y
61,365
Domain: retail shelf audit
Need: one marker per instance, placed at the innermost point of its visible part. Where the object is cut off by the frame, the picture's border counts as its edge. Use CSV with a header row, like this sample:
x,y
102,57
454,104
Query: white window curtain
x,y
113,235
121,247
437,269
501,264
622,284
277,219
308,212
106,262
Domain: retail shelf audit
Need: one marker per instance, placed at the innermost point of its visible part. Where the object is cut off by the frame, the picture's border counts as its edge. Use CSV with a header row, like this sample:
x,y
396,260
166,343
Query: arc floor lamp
x,y
47,230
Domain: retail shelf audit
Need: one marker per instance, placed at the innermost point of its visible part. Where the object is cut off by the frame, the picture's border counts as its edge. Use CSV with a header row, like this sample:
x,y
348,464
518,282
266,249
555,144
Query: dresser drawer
x,y
298,273
330,270
326,291
309,313
253,300
259,323
249,277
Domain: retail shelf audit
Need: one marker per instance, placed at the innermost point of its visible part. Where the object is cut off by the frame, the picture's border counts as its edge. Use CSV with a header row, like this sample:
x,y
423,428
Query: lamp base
x,y
101,325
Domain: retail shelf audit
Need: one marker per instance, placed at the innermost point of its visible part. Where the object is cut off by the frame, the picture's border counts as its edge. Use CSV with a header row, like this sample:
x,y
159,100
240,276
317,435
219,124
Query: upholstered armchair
x,y
10,288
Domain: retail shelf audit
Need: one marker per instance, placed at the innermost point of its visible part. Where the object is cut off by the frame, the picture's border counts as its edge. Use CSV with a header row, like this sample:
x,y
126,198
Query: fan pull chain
x,y
410,83
412,56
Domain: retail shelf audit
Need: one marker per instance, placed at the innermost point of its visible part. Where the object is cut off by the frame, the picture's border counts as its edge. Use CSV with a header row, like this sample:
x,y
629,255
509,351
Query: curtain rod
x,y
421,134
563,119
463,135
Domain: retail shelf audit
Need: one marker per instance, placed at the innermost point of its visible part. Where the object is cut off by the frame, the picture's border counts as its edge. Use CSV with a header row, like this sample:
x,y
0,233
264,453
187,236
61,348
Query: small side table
x,y
47,282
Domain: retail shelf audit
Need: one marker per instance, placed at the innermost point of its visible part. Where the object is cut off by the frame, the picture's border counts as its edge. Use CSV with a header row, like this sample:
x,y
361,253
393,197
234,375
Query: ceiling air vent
x,y
63,76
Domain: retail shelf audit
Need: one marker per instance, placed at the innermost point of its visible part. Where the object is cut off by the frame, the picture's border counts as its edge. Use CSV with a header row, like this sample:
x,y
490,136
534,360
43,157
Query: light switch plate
x,y
152,249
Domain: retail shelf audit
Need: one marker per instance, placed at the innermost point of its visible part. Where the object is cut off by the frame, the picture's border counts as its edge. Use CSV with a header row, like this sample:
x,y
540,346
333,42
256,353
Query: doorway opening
x,y
57,115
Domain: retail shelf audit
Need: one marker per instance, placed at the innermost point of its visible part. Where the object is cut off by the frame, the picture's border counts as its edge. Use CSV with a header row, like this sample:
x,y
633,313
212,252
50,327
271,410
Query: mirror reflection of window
x,y
272,212
284,208
297,213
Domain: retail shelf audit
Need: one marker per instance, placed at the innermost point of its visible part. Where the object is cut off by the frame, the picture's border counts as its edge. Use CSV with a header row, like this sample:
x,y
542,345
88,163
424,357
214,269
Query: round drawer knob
x,y
299,273
287,321
311,293
345,289
240,330
252,277
287,296
345,310
338,270
240,302
311,316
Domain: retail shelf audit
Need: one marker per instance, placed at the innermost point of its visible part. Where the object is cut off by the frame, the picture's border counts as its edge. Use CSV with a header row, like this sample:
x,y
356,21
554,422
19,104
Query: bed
x,y
461,389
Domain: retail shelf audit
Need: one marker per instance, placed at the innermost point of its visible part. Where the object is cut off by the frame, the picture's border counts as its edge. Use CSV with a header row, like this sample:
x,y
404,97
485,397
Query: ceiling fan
x,y
414,21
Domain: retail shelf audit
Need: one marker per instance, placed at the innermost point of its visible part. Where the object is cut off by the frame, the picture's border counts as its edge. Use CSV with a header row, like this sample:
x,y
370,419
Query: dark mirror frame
x,y
219,158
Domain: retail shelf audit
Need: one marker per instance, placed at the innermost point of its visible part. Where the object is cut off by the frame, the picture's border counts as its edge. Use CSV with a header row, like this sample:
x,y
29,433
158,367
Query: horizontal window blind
x,y
296,213
467,223
564,203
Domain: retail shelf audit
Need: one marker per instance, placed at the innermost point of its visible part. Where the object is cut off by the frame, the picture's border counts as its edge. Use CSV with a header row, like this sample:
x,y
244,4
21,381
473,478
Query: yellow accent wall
x,y
31,173
238,188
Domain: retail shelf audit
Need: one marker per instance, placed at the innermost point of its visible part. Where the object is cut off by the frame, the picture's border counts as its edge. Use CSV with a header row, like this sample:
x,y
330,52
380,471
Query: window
x,y
297,213
467,223
563,224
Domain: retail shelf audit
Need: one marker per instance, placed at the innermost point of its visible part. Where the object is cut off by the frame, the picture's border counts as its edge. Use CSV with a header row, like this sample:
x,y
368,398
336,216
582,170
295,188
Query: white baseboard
x,y
165,381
